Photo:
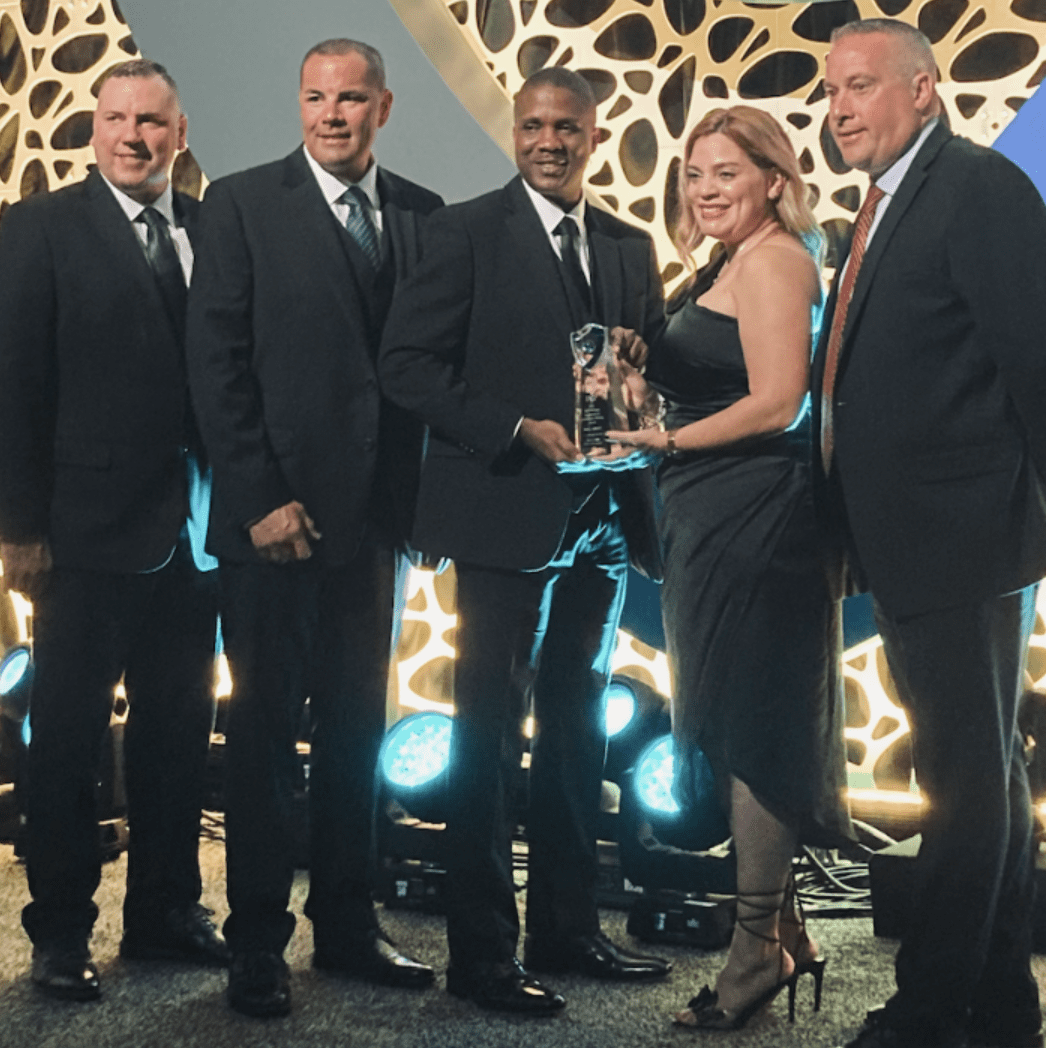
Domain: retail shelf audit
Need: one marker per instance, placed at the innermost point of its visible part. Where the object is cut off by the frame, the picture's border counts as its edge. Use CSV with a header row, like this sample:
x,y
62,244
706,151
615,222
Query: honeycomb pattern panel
x,y
658,65
52,55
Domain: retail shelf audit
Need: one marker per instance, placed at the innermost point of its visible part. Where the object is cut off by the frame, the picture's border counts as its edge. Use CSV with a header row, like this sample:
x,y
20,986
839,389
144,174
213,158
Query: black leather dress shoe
x,y
504,988
592,955
259,984
376,961
66,971
184,934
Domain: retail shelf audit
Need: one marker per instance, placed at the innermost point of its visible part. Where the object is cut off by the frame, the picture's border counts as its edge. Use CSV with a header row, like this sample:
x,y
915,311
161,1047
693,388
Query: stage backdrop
x,y
656,66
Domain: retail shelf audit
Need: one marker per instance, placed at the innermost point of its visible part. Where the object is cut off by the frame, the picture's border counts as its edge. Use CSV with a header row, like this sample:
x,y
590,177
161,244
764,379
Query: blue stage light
x,y
16,679
413,763
416,750
621,707
13,669
653,778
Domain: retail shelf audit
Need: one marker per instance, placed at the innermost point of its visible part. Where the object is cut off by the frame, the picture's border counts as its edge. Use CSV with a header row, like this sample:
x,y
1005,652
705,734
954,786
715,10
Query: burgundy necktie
x,y
842,306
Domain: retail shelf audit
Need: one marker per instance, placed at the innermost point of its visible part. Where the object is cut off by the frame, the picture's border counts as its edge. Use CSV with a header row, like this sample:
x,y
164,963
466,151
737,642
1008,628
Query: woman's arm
x,y
773,293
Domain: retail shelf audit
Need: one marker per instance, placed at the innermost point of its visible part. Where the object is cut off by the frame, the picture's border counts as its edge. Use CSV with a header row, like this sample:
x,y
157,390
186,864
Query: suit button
x,y
369,443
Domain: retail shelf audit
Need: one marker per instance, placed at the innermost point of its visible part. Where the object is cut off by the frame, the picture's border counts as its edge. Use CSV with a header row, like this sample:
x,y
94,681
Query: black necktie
x,y
360,226
167,269
566,233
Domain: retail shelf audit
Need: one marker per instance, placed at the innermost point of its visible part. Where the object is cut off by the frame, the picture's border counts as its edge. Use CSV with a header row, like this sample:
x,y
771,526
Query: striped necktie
x,y
360,226
842,305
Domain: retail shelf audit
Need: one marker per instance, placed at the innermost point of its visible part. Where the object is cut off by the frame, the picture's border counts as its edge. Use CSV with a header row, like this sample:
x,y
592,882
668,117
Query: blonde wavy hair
x,y
766,144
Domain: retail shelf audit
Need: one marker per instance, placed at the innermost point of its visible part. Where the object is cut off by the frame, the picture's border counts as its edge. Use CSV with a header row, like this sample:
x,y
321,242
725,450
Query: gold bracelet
x,y
670,442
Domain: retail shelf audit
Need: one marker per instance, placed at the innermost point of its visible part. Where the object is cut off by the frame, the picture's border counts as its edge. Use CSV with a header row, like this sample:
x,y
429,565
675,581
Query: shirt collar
x,y
552,214
164,203
891,178
333,187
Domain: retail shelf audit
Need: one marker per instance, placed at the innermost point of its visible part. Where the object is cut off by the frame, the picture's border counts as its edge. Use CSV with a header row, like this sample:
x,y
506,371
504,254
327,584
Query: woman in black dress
x,y
753,633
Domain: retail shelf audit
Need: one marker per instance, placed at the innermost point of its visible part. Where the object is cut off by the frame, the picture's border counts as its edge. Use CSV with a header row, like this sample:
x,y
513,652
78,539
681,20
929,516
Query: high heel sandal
x,y
704,1008
814,966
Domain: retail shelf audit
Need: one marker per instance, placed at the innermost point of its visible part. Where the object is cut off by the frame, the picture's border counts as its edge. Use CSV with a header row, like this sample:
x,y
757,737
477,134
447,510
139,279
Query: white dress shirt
x,y
333,188
552,214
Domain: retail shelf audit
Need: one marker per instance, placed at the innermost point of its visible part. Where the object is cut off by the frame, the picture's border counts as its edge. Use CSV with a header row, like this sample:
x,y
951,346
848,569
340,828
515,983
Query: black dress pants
x,y
959,673
297,631
157,630
547,636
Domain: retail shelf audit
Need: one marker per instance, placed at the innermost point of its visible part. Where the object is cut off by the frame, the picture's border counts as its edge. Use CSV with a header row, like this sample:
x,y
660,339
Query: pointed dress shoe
x,y
507,987
374,960
259,984
183,934
66,971
592,955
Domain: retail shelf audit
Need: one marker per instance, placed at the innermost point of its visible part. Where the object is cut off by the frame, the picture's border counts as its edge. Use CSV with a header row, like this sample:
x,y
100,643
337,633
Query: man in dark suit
x,y
478,346
931,386
314,479
98,460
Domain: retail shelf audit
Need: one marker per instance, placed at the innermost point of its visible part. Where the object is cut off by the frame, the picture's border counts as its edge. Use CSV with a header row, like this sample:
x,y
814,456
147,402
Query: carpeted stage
x,y
156,1006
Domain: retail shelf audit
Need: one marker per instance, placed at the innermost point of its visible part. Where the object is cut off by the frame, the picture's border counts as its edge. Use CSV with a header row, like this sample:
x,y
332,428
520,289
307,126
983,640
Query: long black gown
x,y
753,635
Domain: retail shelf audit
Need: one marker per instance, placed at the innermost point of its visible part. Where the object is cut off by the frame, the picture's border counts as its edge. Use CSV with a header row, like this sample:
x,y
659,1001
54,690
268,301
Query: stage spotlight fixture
x,y
621,707
635,714
411,810
413,763
652,779
663,845
16,679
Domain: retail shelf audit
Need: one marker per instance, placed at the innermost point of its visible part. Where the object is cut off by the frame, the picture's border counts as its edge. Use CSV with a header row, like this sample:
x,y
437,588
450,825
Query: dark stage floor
x,y
149,1006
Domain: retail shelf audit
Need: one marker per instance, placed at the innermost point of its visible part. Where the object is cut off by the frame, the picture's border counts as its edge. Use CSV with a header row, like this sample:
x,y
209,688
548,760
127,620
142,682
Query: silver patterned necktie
x,y
162,257
360,226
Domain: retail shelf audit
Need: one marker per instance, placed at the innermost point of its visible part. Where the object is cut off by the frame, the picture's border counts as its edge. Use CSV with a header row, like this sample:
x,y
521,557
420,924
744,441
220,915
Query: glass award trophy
x,y
600,402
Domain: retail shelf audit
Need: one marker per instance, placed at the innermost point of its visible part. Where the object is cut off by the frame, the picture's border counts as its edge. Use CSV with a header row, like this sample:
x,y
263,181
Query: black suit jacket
x,y
93,399
940,400
283,333
477,338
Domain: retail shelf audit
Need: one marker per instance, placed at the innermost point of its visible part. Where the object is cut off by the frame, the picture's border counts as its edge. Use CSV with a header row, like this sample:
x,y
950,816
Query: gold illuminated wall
x,y
656,66
52,55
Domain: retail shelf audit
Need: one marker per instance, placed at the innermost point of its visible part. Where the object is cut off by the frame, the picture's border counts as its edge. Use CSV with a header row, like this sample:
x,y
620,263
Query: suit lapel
x,y
906,193
186,211
119,241
607,278
538,265
400,222
312,217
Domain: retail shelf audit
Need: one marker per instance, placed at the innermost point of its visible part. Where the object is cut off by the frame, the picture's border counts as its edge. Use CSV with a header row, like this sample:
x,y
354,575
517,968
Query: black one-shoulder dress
x,y
754,638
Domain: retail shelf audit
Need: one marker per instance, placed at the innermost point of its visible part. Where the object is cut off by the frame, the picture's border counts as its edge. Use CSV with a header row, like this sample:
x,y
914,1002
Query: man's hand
x,y
26,565
283,535
629,346
549,440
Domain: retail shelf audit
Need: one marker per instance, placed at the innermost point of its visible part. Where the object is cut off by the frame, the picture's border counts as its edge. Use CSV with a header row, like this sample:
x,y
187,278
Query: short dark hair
x,y
343,46
140,68
567,79
918,52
